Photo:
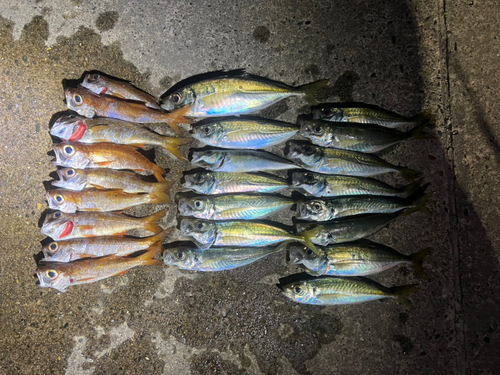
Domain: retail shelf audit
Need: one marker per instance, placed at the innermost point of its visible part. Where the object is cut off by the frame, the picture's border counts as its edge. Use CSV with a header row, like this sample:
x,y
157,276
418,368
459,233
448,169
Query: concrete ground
x,y
406,56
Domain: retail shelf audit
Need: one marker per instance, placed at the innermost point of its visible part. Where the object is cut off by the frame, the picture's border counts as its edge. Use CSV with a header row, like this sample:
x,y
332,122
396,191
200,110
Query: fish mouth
x,y
186,227
168,106
51,201
41,279
183,207
168,259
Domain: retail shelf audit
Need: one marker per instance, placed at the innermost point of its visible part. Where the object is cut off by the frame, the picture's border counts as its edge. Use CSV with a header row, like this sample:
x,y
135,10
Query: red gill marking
x,y
67,230
79,132
103,91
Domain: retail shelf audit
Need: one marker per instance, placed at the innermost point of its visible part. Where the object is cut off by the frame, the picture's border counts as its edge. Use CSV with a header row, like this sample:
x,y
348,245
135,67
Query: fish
x,y
104,155
88,104
347,229
104,178
101,200
360,258
334,290
342,162
240,161
236,94
320,185
233,206
365,114
94,247
62,275
242,132
356,137
59,225
227,182
97,130
206,234
215,258
334,208
102,85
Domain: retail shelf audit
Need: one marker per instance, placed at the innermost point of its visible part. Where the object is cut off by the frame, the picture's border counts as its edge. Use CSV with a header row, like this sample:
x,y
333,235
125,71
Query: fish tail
x,y
171,145
311,89
409,174
160,193
177,117
146,259
149,222
401,293
160,237
419,201
419,133
424,118
306,237
409,189
416,262
158,173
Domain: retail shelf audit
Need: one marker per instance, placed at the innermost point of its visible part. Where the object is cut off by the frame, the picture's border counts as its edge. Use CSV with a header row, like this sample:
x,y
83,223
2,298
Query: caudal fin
x,y
424,118
305,238
171,145
419,201
160,237
419,133
160,193
146,259
409,189
311,89
409,174
177,117
149,222
401,293
158,173
416,262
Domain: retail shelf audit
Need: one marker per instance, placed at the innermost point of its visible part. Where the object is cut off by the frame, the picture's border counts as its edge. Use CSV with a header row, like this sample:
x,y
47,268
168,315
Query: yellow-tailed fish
x,y
104,155
59,225
62,275
97,130
235,94
93,247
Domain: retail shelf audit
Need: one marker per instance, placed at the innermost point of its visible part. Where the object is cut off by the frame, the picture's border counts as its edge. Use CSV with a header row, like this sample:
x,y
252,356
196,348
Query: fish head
x,y
331,113
95,83
203,233
305,152
56,252
312,183
69,155
60,199
300,291
80,100
209,133
315,210
181,257
179,99
202,182
316,131
200,207
211,159
57,225
69,128
70,178
54,276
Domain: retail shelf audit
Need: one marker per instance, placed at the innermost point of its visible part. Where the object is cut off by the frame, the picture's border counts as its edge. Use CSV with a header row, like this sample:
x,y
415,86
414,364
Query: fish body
x,y
346,229
331,290
102,85
62,275
98,130
320,185
235,95
206,234
215,258
240,161
104,155
233,207
242,132
368,115
355,137
88,104
360,258
101,200
342,162
59,225
94,247
227,182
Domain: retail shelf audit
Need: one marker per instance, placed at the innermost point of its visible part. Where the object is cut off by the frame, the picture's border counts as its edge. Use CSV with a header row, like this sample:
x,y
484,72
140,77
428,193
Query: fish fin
x,y
305,238
160,237
424,118
419,201
86,227
147,257
418,132
177,117
171,145
159,193
149,222
409,189
416,262
120,273
401,293
104,163
409,174
158,172
311,89
313,273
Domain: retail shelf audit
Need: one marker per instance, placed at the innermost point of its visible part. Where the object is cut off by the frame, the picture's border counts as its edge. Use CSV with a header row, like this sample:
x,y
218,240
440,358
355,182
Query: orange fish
x,y
104,155
59,225
88,104
102,200
61,275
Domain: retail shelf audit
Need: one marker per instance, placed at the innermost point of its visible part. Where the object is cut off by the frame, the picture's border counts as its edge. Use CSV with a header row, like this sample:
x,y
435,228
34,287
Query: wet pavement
x,y
405,56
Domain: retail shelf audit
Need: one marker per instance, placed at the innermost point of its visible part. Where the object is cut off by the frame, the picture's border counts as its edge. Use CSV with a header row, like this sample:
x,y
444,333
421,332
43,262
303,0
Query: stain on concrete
x,y
261,34
106,21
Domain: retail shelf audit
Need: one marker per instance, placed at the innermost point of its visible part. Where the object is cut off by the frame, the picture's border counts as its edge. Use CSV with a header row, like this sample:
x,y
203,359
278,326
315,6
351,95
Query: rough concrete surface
x,y
406,56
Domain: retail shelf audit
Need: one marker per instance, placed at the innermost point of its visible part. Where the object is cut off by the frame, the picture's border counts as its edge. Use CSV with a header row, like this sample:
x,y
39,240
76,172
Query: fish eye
x,y
198,177
317,129
51,274
96,76
53,246
69,150
78,99
176,98
180,255
57,214
197,204
70,172
200,225
206,129
309,252
297,289
59,198
308,149
317,206
309,178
